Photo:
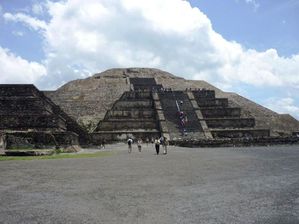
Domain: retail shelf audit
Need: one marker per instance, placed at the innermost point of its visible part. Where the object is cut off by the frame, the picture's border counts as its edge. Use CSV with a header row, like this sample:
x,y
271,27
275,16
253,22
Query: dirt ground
x,y
198,185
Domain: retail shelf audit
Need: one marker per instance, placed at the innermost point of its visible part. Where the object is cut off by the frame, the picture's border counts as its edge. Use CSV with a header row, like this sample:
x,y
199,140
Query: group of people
x,y
163,141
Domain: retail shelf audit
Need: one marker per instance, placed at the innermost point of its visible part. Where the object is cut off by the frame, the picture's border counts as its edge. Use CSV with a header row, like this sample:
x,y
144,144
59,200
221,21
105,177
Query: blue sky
x,y
246,46
269,24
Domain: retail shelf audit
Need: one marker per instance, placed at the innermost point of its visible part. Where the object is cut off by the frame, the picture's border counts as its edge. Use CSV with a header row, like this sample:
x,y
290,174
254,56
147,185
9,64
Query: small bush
x,y
58,151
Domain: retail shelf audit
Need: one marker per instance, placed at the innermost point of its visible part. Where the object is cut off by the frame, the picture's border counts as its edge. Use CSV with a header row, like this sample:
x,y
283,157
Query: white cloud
x,y
33,23
283,105
14,69
18,33
254,3
169,34
38,8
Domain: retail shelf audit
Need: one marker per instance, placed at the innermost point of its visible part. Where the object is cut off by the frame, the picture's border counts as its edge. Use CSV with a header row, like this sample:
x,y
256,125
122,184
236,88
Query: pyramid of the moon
x,y
149,102
136,102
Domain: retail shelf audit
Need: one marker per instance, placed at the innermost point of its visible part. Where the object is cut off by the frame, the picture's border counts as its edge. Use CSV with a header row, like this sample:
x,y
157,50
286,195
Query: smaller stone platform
x,y
28,119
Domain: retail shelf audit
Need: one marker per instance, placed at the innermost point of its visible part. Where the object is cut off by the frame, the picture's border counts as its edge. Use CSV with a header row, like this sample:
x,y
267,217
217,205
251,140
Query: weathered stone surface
x,y
2,143
29,119
132,115
87,100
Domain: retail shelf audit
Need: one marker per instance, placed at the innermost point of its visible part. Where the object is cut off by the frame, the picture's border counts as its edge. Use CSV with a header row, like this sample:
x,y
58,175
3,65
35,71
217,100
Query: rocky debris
x,y
236,142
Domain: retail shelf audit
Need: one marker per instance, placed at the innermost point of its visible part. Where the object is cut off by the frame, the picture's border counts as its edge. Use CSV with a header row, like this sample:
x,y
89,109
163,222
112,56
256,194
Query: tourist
x,y
130,142
152,140
165,144
185,119
103,144
147,141
157,145
139,144
161,140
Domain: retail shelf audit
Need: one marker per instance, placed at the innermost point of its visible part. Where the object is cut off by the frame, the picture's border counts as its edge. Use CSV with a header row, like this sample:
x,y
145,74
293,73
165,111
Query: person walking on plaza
x,y
130,142
103,144
139,144
147,141
157,145
152,140
165,144
161,139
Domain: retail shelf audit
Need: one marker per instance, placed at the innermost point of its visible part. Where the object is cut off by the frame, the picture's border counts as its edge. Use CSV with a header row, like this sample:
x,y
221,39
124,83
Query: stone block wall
x,y
23,105
40,140
220,112
212,102
230,122
223,120
134,95
15,90
123,105
37,122
2,142
25,111
241,133
204,94
23,108
126,124
132,115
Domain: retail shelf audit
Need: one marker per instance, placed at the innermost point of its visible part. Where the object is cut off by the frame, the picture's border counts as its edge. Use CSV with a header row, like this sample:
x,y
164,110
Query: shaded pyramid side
x,y
28,113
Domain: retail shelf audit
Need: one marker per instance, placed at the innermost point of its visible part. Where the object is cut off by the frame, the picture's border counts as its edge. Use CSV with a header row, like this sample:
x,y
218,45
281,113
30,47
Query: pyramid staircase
x,y
174,102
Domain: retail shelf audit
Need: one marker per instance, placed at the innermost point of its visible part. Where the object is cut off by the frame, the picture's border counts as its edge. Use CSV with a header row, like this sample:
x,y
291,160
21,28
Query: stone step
x,y
230,122
204,93
128,125
221,112
130,131
137,113
133,95
19,105
17,90
29,121
124,105
212,102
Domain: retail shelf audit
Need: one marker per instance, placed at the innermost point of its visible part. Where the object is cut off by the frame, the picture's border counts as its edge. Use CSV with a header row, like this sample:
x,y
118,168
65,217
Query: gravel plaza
x,y
188,185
